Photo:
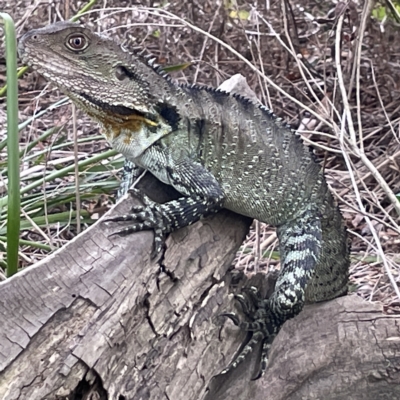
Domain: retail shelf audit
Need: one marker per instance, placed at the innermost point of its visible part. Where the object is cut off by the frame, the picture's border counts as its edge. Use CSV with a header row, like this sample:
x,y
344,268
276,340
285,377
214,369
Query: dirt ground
x,y
289,44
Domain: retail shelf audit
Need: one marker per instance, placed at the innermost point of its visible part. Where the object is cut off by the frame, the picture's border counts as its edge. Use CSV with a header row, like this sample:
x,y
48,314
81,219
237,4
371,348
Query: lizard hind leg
x,y
300,243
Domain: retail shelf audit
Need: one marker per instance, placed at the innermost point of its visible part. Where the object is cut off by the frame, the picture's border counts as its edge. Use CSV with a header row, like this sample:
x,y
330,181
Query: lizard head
x,y
95,72
119,89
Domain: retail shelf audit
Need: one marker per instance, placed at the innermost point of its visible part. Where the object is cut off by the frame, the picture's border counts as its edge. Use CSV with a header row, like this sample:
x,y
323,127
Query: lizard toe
x,y
260,322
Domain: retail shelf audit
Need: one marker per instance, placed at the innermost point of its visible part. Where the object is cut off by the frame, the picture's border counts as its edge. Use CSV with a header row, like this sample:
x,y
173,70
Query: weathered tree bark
x,y
100,320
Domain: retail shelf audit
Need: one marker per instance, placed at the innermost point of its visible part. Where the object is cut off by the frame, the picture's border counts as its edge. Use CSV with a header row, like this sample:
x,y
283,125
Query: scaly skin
x,y
219,151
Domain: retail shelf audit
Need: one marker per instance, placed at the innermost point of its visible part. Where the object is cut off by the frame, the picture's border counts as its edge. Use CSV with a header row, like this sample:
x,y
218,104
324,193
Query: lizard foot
x,y
146,217
263,325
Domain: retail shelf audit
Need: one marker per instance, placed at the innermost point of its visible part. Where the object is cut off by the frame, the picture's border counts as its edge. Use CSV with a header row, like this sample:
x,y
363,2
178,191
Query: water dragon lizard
x,y
219,151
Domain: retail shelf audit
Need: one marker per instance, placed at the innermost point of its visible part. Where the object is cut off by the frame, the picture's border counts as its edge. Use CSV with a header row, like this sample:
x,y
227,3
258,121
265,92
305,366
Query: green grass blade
x,y
13,212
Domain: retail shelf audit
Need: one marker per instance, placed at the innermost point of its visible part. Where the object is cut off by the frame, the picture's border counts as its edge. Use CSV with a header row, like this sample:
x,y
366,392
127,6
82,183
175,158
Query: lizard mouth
x,y
118,109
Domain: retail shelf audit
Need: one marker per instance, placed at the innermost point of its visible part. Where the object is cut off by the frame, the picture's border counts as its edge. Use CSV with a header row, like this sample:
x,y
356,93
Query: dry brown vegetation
x,y
326,67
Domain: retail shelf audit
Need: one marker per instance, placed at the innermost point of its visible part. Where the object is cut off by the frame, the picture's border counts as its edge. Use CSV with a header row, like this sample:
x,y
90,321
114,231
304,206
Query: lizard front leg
x,y
130,173
203,196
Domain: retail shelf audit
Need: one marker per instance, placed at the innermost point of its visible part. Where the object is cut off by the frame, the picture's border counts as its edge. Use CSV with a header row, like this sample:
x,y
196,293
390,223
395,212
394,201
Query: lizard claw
x,y
232,316
146,217
261,324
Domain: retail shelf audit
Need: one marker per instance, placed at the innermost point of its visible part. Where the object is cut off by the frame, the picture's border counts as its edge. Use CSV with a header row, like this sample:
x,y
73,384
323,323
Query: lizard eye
x,y
77,42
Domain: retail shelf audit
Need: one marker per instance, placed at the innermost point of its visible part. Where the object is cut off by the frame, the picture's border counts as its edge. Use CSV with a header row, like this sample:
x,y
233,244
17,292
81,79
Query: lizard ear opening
x,y
170,114
121,73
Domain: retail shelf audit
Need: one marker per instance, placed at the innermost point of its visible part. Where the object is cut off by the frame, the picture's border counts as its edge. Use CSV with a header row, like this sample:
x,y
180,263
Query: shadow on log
x,y
99,320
